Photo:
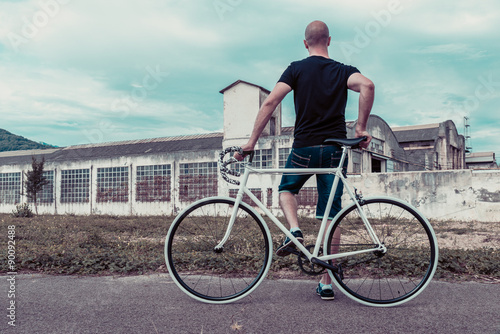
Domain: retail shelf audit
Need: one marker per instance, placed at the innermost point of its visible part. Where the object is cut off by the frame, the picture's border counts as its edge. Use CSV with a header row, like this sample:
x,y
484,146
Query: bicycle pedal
x,y
325,265
292,250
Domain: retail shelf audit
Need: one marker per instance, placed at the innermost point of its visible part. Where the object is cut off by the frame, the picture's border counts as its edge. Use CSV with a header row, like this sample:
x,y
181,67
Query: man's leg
x,y
324,289
331,158
289,186
326,279
288,203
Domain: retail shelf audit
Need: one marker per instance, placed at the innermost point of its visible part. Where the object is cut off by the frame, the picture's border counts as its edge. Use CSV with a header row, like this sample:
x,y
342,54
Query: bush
x,y
22,210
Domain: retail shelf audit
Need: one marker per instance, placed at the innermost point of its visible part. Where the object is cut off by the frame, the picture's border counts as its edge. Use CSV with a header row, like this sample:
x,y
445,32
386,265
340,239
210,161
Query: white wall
x,y
131,207
464,195
241,104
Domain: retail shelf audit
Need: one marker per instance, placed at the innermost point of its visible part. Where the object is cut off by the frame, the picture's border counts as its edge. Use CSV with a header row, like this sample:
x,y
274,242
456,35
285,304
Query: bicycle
x,y
379,251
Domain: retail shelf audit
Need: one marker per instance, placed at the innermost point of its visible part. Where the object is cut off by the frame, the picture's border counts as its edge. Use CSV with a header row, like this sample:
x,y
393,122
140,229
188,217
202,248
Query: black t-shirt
x,y
320,94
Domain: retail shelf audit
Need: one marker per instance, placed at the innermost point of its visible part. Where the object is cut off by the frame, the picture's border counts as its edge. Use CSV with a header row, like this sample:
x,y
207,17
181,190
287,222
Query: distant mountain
x,y
12,142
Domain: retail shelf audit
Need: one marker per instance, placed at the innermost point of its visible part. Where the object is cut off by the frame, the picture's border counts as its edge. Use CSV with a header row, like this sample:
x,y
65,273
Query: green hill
x,y
12,142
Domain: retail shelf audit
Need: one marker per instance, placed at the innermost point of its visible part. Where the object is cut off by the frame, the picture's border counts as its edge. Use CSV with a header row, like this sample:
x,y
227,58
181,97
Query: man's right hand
x,y
246,147
366,143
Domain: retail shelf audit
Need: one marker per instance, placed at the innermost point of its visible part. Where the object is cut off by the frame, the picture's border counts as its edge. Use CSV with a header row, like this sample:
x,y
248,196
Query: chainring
x,y
306,266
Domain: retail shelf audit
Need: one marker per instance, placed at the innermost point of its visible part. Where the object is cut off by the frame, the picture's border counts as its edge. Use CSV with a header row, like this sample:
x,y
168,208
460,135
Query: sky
x,y
78,72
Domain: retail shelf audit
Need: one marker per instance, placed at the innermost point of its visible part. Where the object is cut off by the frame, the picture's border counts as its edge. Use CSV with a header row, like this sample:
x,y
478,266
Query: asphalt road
x,y
154,304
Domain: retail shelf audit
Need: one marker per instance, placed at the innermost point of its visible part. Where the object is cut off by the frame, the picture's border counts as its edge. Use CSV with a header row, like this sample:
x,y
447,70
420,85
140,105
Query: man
x,y
320,87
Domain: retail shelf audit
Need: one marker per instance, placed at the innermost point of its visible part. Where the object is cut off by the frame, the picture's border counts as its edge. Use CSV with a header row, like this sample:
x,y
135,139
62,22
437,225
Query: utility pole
x,y
468,146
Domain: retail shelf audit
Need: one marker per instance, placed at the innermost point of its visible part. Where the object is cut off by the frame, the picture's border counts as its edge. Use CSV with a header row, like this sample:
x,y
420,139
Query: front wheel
x,y
218,275
383,278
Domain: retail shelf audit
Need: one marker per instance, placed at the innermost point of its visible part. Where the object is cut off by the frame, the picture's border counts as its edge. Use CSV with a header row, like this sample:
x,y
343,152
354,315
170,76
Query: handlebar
x,y
223,164
349,143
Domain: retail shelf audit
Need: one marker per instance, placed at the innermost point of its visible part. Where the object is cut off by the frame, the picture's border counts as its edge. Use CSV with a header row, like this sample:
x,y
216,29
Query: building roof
x,y
480,157
426,132
155,146
245,82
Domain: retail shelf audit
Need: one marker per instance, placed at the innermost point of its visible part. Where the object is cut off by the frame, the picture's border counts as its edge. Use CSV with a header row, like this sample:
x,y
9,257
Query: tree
x,y
35,180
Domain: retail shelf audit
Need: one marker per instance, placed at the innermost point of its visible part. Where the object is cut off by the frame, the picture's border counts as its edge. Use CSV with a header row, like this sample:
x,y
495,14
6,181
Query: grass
x,y
104,245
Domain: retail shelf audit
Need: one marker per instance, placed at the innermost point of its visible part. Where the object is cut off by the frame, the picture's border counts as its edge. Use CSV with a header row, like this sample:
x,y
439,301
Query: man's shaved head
x,y
317,34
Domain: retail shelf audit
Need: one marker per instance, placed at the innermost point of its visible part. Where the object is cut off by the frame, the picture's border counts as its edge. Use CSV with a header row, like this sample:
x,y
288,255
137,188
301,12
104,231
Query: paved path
x,y
154,304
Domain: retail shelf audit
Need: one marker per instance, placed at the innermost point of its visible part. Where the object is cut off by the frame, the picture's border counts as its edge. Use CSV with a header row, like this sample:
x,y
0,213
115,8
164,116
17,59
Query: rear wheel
x,y
383,278
218,275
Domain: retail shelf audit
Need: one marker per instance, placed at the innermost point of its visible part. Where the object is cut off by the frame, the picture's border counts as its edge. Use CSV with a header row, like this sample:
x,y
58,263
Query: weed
x,y
22,210
83,245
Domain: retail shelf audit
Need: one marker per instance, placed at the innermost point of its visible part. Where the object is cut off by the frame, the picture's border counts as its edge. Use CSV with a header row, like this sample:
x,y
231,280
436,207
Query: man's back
x,y
320,96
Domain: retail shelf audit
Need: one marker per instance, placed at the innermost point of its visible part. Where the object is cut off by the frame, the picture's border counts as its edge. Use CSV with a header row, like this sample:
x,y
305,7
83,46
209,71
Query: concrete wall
x,y
464,195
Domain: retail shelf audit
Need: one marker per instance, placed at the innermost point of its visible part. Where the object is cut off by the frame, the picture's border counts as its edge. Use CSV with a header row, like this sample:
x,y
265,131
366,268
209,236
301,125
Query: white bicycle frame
x,y
303,171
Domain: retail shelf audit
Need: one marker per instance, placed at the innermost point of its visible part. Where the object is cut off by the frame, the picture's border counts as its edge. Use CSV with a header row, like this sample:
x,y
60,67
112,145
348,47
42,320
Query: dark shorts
x,y
315,157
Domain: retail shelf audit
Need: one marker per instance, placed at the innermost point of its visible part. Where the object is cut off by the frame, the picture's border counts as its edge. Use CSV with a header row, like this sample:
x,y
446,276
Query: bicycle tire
x,y
218,277
377,279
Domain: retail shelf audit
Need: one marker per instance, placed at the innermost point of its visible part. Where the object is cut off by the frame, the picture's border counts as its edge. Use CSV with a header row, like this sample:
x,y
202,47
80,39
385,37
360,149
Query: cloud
x,y
96,35
450,18
36,100
459,49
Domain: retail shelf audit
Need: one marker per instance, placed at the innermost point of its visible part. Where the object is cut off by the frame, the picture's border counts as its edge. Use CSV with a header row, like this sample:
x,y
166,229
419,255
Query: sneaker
x,y
326,293
288,245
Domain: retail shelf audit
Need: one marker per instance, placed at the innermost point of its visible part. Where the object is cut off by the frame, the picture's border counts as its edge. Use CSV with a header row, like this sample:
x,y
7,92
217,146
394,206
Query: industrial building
x,y
163,175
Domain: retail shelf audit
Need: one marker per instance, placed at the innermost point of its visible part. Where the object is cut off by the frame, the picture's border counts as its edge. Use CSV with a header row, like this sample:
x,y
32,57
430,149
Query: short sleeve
x,y
350,70
287,77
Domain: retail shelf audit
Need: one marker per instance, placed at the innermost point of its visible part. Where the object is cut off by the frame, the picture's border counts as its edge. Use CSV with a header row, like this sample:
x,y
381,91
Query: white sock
x,y
325,286
294,229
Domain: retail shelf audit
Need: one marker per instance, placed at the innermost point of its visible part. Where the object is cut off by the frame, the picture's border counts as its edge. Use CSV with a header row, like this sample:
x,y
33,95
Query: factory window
x,y
153,183
197,180
257,192
10,188
307,196
75,185
269,197
377,146
46,195
112,184
263,159
283,157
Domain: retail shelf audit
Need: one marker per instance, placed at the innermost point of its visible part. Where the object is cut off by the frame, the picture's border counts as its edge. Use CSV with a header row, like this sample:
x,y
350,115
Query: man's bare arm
x,y
366,89
266,111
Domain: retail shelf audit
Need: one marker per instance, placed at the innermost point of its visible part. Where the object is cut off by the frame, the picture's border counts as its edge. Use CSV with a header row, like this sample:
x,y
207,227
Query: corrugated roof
x,y
484,157
416,127
481,154
416,134
28,152
150,140
154,146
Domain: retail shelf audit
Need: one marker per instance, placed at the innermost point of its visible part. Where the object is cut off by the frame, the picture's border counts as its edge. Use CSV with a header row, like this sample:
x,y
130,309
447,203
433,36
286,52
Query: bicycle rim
x,y
218,277
396,276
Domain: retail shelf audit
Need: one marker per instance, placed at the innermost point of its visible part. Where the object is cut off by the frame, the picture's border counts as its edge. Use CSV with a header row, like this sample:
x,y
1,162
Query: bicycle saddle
x,y
352,143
